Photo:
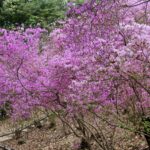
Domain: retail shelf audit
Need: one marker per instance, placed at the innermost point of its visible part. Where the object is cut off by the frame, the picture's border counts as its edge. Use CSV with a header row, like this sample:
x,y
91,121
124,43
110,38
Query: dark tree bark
x,y
147,137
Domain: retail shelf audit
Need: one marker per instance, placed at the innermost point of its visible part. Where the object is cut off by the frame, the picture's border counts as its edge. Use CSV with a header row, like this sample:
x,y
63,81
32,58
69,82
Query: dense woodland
x,y
75,75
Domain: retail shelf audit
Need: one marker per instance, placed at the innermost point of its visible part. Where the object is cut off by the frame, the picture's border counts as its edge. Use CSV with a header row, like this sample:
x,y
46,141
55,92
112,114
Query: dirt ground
x,y
53,137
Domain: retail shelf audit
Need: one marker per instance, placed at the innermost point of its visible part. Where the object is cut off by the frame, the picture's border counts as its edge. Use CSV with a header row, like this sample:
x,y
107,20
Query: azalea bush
x,y
97,64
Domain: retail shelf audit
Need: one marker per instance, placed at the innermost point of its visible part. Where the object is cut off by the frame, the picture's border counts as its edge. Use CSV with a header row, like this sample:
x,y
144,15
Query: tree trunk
x,y
146,123
147,137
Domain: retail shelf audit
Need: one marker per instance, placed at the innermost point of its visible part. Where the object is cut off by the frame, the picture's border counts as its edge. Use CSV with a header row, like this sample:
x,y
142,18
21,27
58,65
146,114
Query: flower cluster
x,y
99,58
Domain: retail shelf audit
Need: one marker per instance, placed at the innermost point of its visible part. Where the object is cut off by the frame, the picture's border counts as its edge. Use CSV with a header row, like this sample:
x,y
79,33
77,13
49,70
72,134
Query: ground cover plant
x,y
92,73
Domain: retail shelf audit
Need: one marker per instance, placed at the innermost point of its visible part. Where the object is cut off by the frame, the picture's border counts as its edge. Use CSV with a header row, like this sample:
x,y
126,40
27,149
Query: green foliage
x,y
52,120
80,1
31,12
146,124
4,109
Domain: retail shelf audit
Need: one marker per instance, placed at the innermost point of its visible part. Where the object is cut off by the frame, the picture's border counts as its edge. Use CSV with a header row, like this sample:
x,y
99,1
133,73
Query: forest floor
x,y
53,137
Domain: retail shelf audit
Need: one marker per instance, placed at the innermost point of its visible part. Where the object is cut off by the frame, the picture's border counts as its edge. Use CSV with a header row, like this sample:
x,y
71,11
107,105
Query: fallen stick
x,y
5,148
25,127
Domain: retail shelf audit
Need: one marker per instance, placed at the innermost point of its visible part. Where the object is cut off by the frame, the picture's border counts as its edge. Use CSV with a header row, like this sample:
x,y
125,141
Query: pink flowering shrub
x,y
109,53
28,78
99,59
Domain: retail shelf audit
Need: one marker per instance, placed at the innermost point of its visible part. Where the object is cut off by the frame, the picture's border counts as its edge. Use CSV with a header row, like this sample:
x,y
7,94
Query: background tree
x,y
31,13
